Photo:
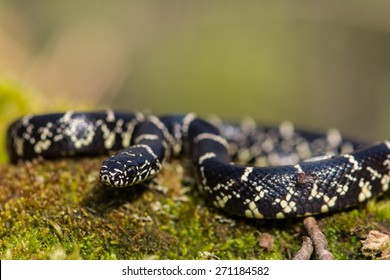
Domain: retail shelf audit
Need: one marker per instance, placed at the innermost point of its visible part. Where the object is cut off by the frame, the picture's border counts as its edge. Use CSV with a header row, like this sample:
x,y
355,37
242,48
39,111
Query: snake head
x,y
117,174
128,167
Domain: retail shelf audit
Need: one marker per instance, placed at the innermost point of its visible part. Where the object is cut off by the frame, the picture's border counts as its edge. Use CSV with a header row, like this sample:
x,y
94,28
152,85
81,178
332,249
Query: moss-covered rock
x,y
59,210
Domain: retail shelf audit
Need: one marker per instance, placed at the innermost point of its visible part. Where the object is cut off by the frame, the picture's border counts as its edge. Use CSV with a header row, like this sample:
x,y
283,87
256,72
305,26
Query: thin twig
x,y
306,250
318,239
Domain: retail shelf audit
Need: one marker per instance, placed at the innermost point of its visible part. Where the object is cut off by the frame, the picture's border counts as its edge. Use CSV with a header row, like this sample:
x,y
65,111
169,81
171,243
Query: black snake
x,y
300,173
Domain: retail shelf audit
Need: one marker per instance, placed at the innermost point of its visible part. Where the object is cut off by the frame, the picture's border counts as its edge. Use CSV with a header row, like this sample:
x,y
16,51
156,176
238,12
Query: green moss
x,y
380,209
345,230
59,210
13,102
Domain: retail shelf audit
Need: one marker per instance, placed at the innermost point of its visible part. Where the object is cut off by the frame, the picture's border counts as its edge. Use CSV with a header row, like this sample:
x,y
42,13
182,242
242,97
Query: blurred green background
x,y
319,64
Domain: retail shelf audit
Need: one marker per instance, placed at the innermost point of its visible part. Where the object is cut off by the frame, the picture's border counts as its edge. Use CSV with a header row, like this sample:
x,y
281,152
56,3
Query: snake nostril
x,y
105,179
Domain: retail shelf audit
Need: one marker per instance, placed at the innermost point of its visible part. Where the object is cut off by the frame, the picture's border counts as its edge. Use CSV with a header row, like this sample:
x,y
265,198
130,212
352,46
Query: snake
x,y
244,169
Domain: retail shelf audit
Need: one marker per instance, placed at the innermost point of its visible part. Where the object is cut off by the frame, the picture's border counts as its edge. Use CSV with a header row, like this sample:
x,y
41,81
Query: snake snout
x,y
114,179
112,173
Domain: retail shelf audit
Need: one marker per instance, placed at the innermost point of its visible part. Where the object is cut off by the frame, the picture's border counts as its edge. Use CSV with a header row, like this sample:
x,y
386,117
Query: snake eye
x,y
131,172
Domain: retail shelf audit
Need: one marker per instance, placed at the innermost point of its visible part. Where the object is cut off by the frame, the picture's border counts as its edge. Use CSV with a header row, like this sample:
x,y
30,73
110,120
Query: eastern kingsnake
x,y
301,173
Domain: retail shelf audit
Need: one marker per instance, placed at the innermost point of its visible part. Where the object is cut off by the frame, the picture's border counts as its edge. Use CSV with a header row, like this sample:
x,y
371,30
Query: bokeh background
x,y
319,64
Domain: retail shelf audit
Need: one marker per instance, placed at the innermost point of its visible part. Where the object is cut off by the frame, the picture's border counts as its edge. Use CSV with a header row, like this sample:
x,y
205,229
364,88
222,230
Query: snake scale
x,y
282,172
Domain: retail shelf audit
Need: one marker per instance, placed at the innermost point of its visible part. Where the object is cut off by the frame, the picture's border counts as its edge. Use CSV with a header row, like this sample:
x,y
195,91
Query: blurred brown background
x,y
319,64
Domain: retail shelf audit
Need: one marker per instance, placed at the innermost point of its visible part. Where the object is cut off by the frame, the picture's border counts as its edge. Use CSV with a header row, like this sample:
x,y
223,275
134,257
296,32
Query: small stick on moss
x,y
318,239
306,250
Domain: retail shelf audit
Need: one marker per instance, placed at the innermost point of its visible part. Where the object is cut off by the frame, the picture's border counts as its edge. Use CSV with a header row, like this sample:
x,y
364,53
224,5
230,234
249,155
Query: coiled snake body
x,y
305,173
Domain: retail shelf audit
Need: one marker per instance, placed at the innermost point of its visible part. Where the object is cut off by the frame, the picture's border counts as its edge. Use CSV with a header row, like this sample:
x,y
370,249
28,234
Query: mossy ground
x,y
59,210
